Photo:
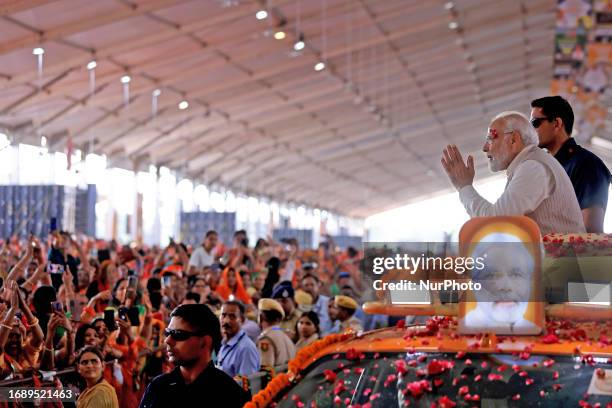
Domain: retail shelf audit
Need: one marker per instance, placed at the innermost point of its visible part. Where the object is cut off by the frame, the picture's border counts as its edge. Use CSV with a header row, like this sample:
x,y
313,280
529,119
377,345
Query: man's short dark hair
x,y
271,316
556,107
239,232
210,232
238,304
312,276
193,296
202,319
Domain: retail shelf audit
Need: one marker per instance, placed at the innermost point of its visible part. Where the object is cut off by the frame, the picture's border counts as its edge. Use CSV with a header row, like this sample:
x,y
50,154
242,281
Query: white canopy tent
x,y
402,78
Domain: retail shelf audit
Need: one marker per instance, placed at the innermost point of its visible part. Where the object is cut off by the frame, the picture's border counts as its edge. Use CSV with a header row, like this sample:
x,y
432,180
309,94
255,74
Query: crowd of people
x,y
124,314
154,327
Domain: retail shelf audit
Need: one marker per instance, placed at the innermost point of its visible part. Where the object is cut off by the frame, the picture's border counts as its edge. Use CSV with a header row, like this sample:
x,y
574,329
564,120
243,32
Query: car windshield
x,y
367,380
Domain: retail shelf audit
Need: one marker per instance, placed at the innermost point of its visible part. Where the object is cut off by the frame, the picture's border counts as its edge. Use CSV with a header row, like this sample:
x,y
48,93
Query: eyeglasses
x,y
536,122
181,335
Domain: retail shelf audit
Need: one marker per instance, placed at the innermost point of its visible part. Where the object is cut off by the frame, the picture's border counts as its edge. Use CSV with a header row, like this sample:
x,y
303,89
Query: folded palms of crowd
x,y
61,294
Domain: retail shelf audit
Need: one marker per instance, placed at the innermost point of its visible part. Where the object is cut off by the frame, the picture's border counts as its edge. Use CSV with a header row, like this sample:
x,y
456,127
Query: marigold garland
x,y
295,367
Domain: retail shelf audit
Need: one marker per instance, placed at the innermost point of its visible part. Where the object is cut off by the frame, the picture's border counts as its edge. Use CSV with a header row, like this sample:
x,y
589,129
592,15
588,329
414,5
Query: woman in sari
x,y
231,285
98,393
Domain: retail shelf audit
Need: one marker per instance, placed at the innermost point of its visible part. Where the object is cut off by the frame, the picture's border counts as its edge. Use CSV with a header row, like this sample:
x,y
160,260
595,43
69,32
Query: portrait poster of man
x,y
510,298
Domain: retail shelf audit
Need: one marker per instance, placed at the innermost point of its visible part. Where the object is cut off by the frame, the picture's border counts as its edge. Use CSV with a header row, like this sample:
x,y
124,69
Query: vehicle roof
x,y
440,335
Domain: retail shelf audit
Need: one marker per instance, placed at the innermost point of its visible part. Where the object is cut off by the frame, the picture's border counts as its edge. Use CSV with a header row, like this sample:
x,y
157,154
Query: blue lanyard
x,y
231,348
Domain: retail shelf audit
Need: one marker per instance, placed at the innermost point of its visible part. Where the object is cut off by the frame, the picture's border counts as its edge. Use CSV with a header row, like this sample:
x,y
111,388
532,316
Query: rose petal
x,y
330,376
445,402
400,367
390,379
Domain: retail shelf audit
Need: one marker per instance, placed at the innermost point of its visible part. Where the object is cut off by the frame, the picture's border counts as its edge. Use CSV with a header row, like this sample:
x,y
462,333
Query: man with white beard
x,y
537,185
506,289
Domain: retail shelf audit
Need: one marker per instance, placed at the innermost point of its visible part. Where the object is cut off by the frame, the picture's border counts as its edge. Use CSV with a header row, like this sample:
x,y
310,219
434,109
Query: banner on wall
x,y
583,61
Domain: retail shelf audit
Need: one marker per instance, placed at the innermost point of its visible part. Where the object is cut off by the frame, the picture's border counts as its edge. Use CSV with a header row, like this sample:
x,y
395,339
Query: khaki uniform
x,y
275,347
289,323
306,342
352,324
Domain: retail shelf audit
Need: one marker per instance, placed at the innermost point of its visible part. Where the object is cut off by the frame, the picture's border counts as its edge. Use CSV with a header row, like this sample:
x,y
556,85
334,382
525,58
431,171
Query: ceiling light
x,y
125,79
91,65
299,45
43,141
449,5
156,92
319,66
261,15
453,25
38,51
183,105
279,35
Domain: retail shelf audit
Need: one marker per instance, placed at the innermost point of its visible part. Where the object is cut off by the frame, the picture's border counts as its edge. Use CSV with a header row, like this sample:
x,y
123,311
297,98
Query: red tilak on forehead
x,y
492,133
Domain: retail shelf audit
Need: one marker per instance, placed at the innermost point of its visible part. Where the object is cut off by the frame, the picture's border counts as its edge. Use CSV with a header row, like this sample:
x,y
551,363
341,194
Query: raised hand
x,y
14,296
54,323
459,173
104,295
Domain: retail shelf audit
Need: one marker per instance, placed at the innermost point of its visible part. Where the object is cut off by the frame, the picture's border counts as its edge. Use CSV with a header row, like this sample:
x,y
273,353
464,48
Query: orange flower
x,y
295,366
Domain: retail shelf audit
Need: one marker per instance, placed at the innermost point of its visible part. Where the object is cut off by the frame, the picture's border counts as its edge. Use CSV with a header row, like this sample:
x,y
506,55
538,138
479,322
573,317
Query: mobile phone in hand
x,y
55,268
75,310
109,319
133,315
122,313
132,282
57,307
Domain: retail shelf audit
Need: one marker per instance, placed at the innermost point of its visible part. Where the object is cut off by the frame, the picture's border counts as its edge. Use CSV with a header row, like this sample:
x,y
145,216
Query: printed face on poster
x,y
508,302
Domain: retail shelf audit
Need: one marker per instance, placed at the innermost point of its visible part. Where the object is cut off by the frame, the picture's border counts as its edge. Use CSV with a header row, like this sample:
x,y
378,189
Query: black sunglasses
x,y
181,335
536,122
